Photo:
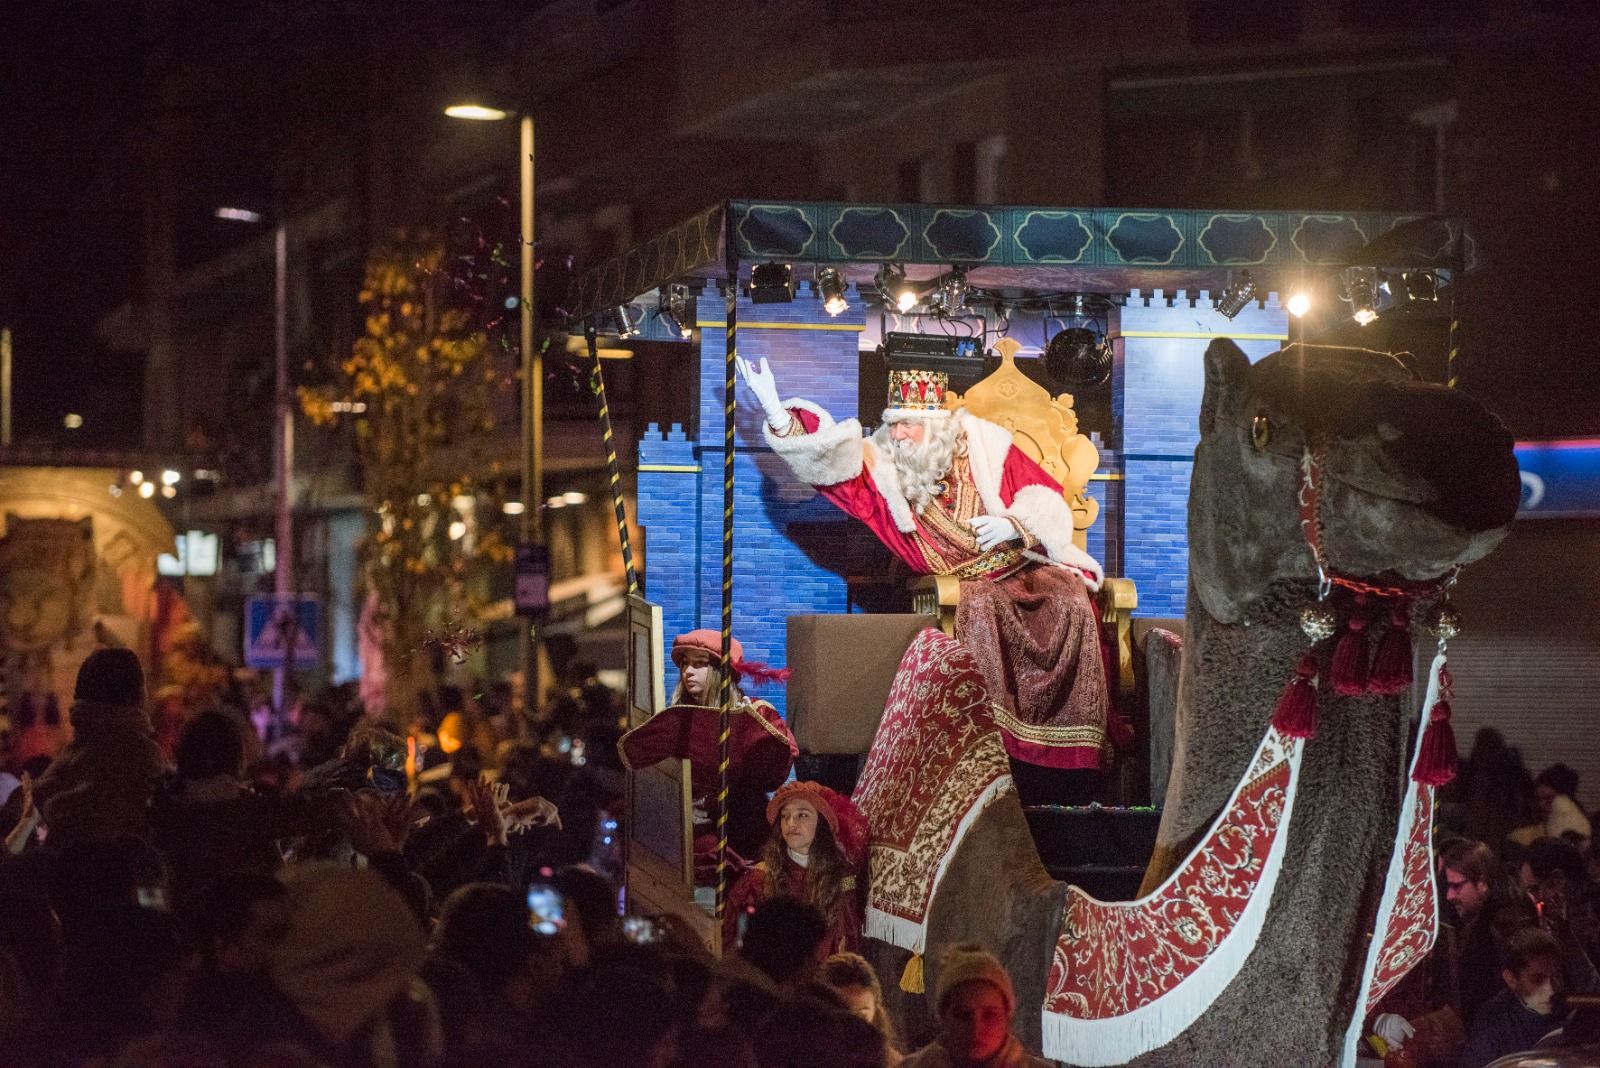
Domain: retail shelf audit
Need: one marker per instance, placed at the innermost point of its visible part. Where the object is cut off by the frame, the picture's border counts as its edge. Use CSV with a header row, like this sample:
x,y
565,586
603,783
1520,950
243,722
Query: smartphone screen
x,y
548,914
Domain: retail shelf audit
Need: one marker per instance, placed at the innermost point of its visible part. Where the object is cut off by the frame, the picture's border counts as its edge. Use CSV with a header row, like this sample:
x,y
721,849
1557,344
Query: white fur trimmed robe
x,y
1032,628
844,466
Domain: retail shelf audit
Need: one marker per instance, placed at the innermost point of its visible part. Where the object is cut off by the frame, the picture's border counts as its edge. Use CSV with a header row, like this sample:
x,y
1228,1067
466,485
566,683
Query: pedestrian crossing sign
x,y
274,624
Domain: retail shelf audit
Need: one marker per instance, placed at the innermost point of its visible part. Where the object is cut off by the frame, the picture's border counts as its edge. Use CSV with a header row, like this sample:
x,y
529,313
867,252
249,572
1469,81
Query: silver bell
x,y
1442,620
1318,621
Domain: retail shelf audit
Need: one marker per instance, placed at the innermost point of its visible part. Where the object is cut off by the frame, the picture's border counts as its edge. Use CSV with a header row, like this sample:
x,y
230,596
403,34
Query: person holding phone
x,y
815,853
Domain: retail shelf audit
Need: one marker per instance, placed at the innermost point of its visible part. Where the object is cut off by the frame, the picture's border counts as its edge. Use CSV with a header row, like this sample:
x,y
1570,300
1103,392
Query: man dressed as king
x,y
951,494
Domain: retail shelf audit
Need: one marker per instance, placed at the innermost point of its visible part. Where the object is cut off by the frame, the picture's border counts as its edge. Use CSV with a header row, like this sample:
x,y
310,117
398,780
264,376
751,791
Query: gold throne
x,y
1046,429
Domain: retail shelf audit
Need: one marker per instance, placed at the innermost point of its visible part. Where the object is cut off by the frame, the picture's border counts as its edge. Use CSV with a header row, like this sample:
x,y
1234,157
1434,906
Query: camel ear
x,y
1227,368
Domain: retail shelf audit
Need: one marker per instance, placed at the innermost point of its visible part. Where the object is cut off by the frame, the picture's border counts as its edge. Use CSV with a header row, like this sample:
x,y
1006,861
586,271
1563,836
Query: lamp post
x,y
282,448
531,530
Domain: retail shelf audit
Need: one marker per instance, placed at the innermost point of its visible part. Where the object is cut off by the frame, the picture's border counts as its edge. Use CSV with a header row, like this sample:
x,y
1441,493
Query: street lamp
x,y
283,443
531,529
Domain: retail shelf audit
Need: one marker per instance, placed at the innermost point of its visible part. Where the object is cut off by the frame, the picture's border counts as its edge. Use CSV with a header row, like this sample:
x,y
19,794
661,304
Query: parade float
x,y
77,573
1267,517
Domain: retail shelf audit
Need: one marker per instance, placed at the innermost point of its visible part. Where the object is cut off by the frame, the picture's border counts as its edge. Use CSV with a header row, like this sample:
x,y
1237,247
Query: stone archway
x,y
77,571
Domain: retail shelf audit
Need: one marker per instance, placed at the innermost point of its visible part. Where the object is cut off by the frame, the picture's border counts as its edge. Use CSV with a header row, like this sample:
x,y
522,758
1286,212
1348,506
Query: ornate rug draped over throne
x,y
936,763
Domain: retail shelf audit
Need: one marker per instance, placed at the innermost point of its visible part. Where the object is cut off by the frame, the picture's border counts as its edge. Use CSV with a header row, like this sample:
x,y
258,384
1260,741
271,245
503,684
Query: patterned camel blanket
x,y
1407,923
1130,976
937,761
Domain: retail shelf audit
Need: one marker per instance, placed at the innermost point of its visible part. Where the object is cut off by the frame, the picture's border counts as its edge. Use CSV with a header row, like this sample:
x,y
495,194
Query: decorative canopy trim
x,y
1105,249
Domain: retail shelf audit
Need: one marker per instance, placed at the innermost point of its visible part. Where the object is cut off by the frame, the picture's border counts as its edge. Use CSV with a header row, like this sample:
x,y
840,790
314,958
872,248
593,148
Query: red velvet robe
x,y
844,926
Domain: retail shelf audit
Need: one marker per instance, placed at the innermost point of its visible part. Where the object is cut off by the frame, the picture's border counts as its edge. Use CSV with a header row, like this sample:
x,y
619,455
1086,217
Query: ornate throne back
x,y
1044,428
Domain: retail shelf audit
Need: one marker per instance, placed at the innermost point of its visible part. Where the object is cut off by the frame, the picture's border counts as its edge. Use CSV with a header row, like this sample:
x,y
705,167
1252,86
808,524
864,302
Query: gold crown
x,y
917,390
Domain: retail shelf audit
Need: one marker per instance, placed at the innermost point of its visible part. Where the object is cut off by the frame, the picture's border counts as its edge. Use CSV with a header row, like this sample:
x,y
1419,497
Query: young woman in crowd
x,y
975,1004
815,853
853,979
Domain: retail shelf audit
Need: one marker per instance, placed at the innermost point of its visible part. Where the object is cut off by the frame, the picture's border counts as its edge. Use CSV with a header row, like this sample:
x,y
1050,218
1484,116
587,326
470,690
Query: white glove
x,y
1393,1029
993,530
765,388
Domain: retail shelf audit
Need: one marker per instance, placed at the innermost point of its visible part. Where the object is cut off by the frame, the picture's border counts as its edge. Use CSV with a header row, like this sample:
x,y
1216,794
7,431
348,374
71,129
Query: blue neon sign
x,y
1560,479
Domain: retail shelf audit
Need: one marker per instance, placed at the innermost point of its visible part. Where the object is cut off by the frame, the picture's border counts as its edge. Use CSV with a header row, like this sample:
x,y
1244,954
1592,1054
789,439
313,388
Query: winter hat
x,y
353,944
111,677
969,963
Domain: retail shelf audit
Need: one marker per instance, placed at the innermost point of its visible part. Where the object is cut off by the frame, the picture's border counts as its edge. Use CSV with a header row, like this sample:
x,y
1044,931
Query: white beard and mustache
x,y
920,466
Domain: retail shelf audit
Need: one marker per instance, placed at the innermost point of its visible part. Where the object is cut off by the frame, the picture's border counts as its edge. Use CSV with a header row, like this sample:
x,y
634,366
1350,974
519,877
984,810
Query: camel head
x,y
1416,479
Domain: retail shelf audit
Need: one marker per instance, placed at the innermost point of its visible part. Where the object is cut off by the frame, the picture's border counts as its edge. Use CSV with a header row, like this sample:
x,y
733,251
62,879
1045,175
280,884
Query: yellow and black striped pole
x,y
725,719
1457,269
597,382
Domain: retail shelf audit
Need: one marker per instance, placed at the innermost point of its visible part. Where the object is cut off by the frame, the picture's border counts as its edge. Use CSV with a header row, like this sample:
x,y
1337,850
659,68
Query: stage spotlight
x,y
830,286
1078,358
895,289
1299,303
1237,296
627,321
953,288
1361,290
673,310
1422,286
771,283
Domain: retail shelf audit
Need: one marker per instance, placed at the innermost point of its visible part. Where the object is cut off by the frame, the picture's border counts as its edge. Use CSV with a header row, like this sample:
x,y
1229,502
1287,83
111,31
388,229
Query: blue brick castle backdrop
x,y
791,547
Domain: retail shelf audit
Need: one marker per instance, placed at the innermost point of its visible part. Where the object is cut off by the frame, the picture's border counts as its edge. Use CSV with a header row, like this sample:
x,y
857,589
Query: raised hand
x,y
486,812
765,388
532,812
993,530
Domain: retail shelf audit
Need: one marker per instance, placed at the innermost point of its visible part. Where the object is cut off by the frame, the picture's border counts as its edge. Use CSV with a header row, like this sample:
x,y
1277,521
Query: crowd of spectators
x,y
339,894
1520,889
342,895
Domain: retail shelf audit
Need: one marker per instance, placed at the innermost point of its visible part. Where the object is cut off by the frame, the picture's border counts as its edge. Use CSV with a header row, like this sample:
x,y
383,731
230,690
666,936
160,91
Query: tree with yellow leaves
x,y
419,385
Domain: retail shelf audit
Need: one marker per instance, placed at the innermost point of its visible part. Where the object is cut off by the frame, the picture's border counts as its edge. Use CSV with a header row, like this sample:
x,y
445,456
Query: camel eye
x,y
1260,431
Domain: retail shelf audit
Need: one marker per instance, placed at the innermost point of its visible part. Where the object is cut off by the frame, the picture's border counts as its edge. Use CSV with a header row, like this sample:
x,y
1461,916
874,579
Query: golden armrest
x,y
1118,599
937,595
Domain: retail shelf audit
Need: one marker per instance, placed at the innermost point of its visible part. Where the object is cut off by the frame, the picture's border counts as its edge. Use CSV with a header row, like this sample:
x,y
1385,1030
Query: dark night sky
x,y
72,112
69,223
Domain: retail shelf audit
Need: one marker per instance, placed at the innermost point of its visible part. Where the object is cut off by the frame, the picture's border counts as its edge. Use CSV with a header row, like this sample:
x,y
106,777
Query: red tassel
x,y
1296,713
1436,765
1391,664
1347,672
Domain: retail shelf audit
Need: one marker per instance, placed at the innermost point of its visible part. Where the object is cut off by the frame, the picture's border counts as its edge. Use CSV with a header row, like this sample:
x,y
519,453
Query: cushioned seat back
x,y
843,667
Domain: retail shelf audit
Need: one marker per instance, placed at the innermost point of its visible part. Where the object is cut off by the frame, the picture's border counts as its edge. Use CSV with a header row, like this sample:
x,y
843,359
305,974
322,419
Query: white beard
x,y
919,466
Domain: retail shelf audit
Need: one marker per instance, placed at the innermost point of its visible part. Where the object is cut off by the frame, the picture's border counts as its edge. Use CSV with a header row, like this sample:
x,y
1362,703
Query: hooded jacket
x,y
99,788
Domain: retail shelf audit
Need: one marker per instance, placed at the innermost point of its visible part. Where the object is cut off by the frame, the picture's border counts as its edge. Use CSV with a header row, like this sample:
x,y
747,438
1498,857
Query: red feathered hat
x,y
844,819
710,641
